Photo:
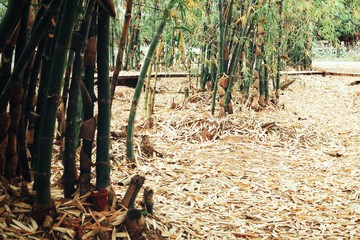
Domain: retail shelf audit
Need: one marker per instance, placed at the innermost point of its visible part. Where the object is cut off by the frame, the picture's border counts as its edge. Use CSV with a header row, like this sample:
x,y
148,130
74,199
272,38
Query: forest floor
x,y
290,171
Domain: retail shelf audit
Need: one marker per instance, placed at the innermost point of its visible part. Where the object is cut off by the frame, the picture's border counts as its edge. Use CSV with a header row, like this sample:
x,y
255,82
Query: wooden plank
x,y
343,74
132,75
303,73
130,78
324,73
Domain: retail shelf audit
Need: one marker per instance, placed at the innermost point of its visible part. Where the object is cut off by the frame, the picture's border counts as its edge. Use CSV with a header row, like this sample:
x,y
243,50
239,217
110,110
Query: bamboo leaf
x,y
22,225
119,219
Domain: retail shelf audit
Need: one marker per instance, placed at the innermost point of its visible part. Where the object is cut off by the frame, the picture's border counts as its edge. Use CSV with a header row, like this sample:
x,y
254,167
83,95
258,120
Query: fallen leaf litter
x,y
285,172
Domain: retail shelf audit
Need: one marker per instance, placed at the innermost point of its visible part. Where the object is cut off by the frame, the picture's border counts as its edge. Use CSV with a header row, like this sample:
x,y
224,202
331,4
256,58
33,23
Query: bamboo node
x,y
43,174
102,163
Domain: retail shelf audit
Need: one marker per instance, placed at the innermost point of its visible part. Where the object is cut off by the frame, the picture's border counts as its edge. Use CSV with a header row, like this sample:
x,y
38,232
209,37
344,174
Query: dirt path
x,y
298,178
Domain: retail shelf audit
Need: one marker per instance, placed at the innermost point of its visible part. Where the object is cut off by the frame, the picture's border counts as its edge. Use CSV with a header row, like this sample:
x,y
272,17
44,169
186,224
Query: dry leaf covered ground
x,y
298,177
290,171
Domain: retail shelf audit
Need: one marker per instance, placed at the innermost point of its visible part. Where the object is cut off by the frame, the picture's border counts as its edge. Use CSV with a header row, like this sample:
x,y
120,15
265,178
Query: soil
x,y
288,171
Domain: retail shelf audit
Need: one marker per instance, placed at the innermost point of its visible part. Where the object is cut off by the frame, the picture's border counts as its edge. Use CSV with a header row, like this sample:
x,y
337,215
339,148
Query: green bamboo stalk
x,y
137,38
44,76
35,67
273,67
205,67
68,71
258,68
157,69
279,43
112,45
206,48
250,66
7,58
266,82
9,21
33,79
30,47
147,89
233,66
130,130
155,82
262,77
103,134
221,54
41,95
74,111
43,196
22,40
227,29
90,59
221,40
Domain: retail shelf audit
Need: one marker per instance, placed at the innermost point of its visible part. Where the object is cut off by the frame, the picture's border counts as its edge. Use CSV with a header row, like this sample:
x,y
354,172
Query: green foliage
x,y
3,7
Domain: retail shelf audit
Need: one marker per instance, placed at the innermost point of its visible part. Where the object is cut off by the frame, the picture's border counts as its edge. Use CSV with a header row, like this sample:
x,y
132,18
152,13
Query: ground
x,y
298,177
289,171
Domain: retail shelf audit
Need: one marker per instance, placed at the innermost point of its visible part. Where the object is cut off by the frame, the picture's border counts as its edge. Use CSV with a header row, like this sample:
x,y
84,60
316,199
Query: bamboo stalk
x,y
279,43
227,29
262,78
130,129
86,152
9,21
120,55
7,57
103,134
156,78
5,72
147,89
43,196
234,62
33,80
34,40
74,112
68,71
221,54
206,49
23,165
266,83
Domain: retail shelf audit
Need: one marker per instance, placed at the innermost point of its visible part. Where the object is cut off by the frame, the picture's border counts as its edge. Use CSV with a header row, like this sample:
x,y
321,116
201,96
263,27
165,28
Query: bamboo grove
x,y
52,50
